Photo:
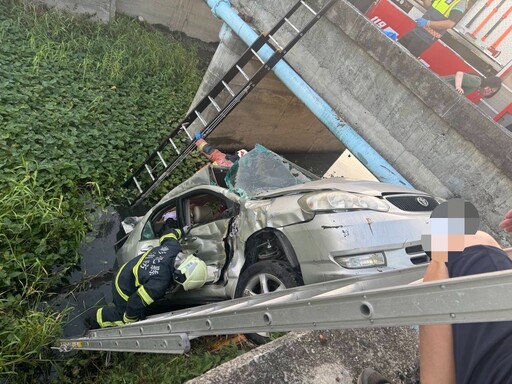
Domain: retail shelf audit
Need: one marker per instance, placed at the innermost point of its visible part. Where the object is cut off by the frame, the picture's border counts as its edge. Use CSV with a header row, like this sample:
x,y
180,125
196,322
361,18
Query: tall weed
x,y
40,233
81,104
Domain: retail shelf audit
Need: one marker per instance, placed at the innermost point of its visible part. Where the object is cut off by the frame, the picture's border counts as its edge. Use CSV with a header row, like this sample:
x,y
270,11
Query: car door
x,y
208,214
151,231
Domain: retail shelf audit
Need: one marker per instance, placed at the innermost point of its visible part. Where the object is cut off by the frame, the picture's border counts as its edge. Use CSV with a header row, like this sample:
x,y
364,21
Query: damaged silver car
x,y
266,224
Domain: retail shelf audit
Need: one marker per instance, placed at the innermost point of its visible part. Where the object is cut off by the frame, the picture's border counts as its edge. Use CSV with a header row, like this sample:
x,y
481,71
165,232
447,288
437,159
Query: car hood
x,y
370,188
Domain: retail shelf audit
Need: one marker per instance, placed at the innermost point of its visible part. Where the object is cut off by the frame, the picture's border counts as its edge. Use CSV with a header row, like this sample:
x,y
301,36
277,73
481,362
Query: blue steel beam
x,y
346,134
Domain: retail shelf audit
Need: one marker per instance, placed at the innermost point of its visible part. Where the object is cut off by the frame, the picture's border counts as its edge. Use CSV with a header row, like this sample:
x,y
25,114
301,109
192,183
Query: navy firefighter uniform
x,y
141,281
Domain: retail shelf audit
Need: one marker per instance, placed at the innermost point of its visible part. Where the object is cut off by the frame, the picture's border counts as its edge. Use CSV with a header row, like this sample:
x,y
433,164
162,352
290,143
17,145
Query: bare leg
x,y
437,364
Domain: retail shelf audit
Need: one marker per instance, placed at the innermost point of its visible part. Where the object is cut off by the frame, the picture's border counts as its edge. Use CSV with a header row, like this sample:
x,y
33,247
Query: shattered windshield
x,y
261,170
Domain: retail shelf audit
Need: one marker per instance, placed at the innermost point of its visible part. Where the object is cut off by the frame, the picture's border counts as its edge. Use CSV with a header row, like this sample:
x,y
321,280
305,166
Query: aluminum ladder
x,y
174,148
395,298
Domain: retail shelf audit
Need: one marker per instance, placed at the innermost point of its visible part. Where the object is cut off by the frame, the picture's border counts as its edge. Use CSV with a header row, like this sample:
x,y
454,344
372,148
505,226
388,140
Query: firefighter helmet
x,y
195,272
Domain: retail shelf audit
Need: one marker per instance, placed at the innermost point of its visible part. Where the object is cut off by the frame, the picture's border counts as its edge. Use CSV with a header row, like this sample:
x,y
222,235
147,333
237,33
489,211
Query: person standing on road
x,y
441,15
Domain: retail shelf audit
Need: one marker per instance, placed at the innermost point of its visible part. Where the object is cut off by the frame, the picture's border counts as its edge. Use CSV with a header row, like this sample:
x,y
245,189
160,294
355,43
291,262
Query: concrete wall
x,y
192,17
102,10
326,357
270,115
437,139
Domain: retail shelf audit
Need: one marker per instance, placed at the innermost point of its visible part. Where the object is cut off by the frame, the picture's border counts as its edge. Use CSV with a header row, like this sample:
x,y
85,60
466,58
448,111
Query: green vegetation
x,y
154,368
80,105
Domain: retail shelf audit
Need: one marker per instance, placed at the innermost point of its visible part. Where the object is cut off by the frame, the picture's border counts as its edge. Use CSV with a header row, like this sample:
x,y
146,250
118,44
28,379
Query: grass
x,y
152,368
80,105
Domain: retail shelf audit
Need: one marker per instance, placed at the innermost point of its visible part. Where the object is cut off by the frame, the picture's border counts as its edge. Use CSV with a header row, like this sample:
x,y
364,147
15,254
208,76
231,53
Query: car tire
x,y
264,277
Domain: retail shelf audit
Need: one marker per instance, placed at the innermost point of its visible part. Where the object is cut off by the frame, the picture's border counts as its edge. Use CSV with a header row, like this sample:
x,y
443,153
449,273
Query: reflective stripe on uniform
x,y
135,268
444,7
127,319
171,236
118,288
144,295
105,324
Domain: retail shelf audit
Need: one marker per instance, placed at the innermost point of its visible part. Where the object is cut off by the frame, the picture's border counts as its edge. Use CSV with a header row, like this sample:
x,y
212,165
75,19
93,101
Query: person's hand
x,y
391,35
459,90
507,223
199,135
421,22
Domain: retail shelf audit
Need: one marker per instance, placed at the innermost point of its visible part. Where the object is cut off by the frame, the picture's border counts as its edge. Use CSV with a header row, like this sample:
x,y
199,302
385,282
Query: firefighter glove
x,y
421,22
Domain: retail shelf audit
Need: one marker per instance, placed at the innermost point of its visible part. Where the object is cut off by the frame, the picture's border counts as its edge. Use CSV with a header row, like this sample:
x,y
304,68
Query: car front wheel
x,y
265,277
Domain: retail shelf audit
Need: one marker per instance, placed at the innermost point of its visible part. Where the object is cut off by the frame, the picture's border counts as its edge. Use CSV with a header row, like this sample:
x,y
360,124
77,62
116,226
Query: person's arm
x,y
454,17
437,364
441,25
458,82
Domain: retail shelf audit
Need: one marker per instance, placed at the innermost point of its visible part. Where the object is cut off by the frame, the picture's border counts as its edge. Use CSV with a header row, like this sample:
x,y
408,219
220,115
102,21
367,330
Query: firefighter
x,y
147,277
440,16
214,155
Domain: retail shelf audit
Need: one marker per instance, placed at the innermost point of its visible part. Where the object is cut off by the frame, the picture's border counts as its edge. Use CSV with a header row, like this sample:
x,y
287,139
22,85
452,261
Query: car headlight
x,y
333,200
362,261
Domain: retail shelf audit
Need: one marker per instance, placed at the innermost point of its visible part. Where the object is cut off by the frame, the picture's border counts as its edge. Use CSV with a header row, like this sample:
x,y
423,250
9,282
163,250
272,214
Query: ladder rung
x,y
275,42
279,50
175,147
308,7
212,100
227,87
293,26
256,54
185,129
161,158
137,184
203,121
149,172
242,72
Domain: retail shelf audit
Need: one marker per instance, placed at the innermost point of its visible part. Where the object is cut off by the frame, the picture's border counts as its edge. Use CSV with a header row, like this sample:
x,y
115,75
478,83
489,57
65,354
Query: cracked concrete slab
x,y
324,357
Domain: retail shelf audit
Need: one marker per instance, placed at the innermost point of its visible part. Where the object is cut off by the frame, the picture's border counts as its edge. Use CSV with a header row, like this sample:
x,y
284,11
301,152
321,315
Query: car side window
x,y
153,227
147,231
205,208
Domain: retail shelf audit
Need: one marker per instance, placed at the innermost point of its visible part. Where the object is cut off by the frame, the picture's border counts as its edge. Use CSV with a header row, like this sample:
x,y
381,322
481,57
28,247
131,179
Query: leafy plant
x,y
80,105
87,102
